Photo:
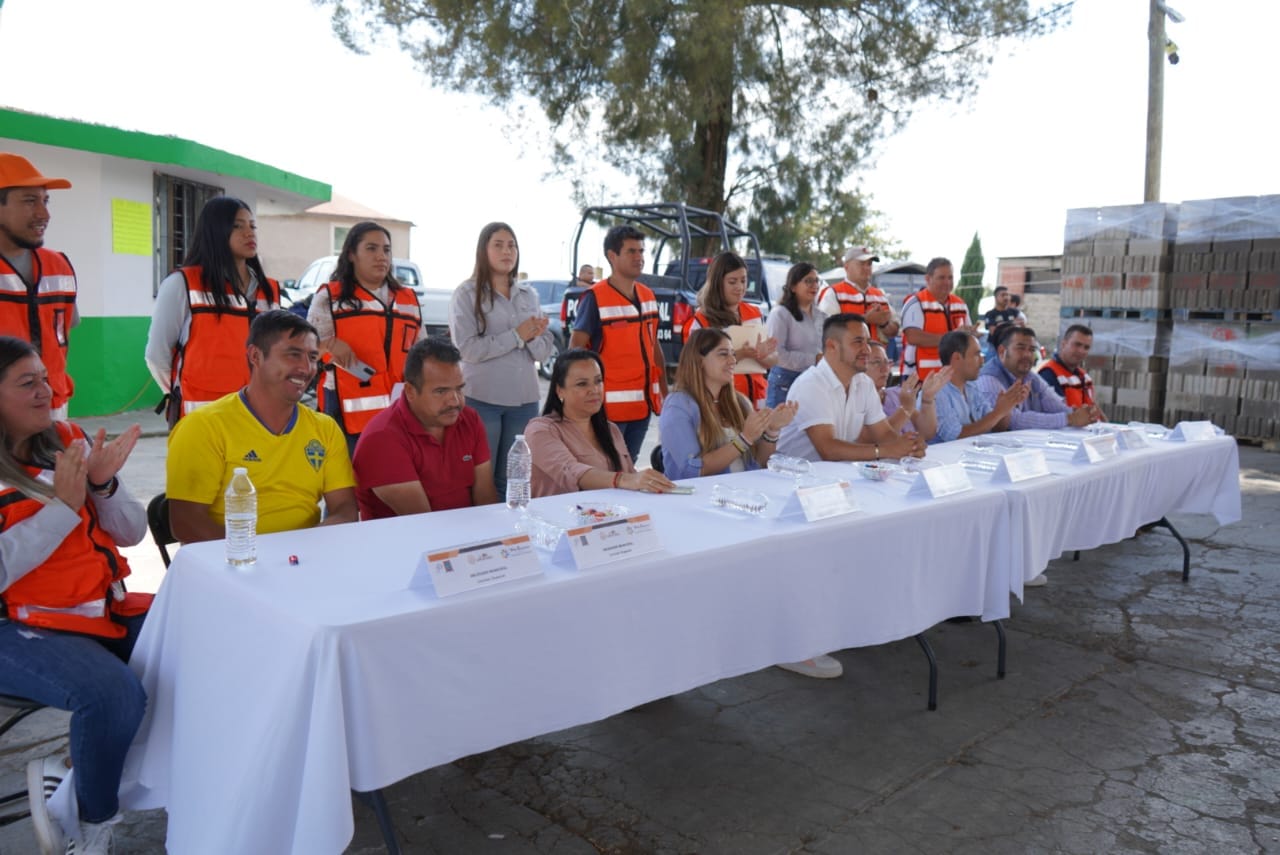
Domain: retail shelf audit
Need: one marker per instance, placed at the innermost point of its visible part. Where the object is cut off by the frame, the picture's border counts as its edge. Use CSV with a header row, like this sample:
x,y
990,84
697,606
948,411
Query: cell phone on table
x,y
681,491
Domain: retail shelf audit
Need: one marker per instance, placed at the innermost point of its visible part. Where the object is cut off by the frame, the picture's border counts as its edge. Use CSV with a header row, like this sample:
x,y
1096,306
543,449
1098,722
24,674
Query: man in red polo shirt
x,y
427,451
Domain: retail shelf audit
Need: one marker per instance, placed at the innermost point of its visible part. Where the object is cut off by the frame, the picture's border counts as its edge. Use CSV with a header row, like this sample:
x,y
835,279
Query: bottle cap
x,y
240,470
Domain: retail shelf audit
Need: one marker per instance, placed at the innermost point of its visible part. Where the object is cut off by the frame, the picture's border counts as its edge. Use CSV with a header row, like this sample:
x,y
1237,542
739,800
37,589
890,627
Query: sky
x,y
1058,123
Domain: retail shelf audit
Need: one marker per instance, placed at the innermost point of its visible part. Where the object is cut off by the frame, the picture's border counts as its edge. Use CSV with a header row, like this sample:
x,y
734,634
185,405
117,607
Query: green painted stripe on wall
x,y
136,145
105,358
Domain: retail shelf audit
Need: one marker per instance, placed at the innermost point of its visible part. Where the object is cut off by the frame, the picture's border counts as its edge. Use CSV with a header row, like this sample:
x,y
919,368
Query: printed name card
x,y
477,565
1021,466
1194,431
941,481
1131,438
825,500
608,541
1094,449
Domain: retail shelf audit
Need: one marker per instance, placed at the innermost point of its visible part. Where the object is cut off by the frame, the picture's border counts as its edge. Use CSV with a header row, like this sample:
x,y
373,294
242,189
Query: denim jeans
x,y
501,424
780,380
87,676
333,409
633,435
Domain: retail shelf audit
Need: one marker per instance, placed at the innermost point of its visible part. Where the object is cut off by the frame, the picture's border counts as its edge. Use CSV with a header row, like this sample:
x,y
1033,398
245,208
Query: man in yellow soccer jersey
x,y
295,455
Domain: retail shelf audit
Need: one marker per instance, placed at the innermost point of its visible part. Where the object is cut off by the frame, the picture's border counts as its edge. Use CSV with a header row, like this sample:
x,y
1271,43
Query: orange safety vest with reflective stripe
x,y
211,363
754,386
41,312
1077,386
937,320
628,339
855,302
75,589
381,335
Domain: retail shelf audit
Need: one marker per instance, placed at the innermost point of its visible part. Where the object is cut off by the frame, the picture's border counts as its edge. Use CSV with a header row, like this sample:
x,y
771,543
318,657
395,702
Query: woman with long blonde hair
x,y
707,426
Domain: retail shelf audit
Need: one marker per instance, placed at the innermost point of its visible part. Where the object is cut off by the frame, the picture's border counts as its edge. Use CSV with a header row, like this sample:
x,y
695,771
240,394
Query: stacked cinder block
x,y
1118,257
1227,256
1225,347
1116,269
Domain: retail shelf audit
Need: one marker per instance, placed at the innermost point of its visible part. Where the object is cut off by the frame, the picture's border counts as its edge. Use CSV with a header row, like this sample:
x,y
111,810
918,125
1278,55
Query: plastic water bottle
x,y
241,514
519,470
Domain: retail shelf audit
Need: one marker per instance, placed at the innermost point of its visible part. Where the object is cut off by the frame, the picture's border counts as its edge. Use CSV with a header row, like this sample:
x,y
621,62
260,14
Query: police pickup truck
x,y
681,241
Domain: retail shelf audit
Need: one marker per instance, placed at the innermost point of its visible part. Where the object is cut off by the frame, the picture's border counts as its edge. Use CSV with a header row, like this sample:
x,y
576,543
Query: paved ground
x,y
1139,715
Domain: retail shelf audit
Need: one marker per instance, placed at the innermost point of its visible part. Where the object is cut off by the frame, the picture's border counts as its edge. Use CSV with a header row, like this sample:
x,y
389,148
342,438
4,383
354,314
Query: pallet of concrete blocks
x,y
1118,256
1227,372
1101,369
1226,254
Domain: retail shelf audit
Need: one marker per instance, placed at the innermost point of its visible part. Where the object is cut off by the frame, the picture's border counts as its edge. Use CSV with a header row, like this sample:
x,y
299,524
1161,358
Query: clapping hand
x,y
934,383
531,328
1010,398
907,392
106,458
756,424
760,351
878,315
781,416
70,472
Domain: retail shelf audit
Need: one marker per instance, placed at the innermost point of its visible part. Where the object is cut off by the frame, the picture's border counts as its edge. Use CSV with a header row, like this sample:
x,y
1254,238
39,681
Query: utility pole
x,y
1155,101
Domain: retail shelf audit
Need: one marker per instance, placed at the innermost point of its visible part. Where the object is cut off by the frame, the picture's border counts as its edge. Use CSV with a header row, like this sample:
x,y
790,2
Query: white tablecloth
x,y
274,691
1085,505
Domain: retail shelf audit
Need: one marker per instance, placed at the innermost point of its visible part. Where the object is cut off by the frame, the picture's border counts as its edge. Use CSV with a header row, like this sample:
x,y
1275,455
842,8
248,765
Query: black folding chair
x,y
158,522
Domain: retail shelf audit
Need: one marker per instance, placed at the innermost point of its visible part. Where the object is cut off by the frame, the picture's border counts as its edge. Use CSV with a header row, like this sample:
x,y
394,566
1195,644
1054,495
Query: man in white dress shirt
x,y
836,399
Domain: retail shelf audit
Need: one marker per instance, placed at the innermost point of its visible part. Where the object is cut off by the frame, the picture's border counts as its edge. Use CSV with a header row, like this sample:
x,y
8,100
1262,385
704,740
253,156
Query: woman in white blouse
x,y
497,323
796,324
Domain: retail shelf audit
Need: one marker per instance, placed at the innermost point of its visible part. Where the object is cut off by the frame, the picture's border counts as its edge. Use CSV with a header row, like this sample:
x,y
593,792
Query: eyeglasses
x,y
811,280
877,362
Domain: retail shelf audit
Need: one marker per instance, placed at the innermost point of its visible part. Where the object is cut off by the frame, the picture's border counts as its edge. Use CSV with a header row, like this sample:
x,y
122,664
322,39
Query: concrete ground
x,y
1139,715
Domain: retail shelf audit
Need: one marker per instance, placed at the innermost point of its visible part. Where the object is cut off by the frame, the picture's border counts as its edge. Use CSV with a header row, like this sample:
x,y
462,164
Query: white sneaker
x,y
822,667
1037,582
95,838
43,777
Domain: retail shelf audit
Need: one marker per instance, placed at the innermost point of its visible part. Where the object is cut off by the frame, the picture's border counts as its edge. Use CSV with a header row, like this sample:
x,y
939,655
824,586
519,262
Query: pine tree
x,y
970,288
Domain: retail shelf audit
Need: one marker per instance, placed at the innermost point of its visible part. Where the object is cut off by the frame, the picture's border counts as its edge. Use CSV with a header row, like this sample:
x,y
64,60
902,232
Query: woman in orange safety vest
x,y
367,322
720,305
70,626
195,347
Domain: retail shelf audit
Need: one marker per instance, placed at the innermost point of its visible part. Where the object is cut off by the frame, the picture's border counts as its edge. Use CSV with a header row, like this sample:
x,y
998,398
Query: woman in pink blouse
x,y
574,446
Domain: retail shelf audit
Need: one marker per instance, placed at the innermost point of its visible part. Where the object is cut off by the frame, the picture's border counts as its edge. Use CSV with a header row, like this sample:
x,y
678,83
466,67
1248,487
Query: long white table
x,y
275,692
1084,506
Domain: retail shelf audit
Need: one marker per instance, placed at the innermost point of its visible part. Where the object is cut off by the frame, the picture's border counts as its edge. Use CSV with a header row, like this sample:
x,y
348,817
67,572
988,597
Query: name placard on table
x,y
477,565
611,540
1131,438
1021,466
1095,449
821,501
940,481
1194,431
